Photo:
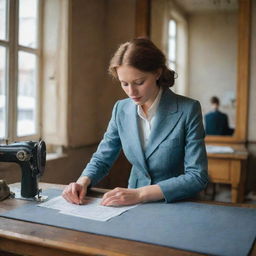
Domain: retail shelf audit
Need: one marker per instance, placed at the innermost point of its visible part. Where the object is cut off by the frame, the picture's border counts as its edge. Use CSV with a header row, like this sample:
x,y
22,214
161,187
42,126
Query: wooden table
x,y
25,238
230,168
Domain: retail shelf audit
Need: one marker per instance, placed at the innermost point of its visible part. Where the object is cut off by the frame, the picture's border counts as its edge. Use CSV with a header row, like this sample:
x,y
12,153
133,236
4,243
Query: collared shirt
x,y
146,122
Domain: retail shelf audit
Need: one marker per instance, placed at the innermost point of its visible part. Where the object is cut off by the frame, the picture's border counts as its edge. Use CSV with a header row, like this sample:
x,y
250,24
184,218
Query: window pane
x,y
28,18
3,16
2,92
172,49
27,91
172,28
172,65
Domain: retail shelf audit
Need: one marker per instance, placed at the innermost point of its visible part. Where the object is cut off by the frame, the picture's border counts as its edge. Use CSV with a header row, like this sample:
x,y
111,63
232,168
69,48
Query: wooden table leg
x,y
237,181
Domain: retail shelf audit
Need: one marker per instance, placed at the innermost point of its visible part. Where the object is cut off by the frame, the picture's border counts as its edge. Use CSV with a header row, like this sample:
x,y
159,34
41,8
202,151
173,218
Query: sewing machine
x,y
31,157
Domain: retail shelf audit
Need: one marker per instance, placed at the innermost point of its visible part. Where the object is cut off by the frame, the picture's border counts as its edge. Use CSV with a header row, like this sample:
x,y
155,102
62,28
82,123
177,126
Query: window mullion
x,y
4,43
40,65
12,74
29,50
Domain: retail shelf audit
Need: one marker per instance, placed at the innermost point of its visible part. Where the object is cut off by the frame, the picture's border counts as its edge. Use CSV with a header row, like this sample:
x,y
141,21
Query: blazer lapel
x,y
167,117
134,135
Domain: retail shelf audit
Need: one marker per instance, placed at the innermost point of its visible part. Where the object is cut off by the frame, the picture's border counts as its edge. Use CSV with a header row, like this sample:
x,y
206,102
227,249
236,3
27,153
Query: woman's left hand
x,y
121,196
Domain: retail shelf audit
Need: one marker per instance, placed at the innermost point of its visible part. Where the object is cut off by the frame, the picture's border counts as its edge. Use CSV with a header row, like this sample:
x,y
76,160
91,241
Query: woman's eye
x,y
139,82
124,84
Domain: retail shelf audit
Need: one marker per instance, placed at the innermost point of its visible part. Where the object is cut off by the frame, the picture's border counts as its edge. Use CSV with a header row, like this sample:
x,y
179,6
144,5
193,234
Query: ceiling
x,y
191,6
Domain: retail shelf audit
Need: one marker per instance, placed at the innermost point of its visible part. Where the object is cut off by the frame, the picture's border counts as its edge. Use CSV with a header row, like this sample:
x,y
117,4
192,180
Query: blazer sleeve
x,y
195,177
106,154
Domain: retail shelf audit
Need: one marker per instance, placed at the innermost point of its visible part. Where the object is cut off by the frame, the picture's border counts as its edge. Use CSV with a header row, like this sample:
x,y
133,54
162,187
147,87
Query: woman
x,y
160,132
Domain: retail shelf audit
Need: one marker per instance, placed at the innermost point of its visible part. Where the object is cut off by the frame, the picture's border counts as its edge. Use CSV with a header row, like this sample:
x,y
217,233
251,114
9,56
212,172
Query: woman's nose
x,y
132,90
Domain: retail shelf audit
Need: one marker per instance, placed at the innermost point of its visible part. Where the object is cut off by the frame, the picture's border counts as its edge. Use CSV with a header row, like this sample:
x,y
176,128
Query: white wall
x,y
213,59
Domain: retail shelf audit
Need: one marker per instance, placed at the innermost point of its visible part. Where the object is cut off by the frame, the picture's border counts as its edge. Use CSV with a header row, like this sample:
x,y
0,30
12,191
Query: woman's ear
x,y
159,73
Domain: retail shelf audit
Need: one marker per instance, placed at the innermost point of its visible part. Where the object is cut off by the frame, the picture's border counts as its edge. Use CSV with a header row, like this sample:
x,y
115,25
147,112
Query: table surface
x,y
35,239
240,152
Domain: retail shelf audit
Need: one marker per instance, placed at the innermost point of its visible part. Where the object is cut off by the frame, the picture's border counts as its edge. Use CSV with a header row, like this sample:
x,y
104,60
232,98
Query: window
x,y
19,69
172,39
178,50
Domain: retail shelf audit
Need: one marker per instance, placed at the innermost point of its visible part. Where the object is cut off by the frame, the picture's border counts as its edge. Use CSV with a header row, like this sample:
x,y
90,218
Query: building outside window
x,y
19,69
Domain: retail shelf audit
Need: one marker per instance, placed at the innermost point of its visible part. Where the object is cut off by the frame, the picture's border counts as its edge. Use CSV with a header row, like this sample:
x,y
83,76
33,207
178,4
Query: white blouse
x,y
146,122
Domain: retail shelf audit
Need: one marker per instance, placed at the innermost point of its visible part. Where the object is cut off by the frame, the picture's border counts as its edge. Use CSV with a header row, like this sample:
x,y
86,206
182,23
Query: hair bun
x,y
167,77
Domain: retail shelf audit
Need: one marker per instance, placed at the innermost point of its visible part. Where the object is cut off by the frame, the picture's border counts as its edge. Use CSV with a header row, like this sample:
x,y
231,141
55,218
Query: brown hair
x,y
143,55
215,100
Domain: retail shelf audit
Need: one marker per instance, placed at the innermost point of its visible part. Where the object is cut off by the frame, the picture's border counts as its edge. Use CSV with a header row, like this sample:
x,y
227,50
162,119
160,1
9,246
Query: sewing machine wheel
x,y
41,157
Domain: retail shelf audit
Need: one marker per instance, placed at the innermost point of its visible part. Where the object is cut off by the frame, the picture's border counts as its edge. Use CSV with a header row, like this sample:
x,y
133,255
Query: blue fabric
x,y
203,228
216,123
175,157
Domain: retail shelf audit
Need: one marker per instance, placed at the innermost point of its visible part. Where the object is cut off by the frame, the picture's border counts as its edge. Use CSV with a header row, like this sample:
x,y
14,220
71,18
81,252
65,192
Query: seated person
x,y
160,132
216,122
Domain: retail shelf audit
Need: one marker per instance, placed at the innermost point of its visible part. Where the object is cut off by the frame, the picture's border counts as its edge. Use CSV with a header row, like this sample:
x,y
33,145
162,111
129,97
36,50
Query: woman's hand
x,y
76,191
121,196
125,196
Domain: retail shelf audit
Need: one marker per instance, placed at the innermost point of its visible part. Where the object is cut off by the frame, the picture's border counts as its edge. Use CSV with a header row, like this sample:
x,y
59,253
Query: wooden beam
x,y
142,22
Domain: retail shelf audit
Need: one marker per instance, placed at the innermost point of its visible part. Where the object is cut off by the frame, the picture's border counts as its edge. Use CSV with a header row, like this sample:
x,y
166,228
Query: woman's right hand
x,y
76,191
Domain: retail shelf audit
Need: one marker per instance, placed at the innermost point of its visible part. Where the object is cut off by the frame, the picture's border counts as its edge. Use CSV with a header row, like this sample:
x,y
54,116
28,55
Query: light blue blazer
x,y
175,157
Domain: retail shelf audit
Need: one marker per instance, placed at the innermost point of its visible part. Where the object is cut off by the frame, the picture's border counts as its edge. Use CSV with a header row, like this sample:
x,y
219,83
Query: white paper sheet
x,y
219,149
91,210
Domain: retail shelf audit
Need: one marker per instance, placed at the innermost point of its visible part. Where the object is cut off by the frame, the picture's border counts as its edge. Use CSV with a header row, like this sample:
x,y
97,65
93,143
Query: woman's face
x,y
140,86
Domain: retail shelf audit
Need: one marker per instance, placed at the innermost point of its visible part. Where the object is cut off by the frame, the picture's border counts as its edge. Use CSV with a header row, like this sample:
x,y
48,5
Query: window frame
x,y
11,81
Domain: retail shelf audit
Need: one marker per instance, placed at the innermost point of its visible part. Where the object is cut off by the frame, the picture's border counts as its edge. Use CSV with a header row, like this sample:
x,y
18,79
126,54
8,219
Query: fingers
x,y
110,197
114,201
111,193
74,193
70,193
82,195
120,196
67,199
